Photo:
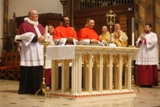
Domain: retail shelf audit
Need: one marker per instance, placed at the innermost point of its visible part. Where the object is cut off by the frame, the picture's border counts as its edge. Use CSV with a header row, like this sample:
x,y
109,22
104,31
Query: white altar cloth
x,y
60,52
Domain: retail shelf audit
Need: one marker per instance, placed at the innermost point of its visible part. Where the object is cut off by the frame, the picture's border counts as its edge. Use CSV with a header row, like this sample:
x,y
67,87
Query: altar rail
x,y
94,71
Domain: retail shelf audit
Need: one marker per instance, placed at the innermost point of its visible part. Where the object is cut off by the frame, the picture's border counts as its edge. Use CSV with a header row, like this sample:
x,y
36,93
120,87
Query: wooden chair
x,y
10,65
14,59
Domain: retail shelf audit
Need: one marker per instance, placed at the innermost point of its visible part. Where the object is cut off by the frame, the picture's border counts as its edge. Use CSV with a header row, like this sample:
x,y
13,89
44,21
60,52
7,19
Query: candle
x,y
46,32
133,39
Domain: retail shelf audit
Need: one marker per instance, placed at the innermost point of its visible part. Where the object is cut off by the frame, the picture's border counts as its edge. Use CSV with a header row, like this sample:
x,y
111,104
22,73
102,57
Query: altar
x,y
91,71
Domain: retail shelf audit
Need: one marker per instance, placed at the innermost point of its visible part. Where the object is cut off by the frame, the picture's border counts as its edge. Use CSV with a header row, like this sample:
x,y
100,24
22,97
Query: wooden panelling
x,y
123,22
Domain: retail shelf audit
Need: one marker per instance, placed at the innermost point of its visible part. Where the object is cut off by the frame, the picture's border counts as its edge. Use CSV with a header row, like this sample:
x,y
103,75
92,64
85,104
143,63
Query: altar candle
x,y
46,32
133,39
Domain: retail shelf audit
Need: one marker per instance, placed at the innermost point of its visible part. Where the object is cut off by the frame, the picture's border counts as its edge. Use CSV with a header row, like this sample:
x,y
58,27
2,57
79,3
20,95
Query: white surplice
x,y
148,54
31,53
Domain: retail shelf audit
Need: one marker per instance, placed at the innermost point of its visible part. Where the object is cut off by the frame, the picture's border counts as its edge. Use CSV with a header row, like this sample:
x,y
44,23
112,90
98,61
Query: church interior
x,y
94,82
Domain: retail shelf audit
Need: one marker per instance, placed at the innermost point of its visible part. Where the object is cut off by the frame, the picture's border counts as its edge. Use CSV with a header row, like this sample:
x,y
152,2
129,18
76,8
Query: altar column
x,y
79,72
111,72
90,73
101,73
120,72
73,77
129,72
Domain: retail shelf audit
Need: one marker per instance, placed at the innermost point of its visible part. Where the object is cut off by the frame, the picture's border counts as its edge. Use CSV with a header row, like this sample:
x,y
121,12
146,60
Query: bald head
x,y
117,27
33,15
104,29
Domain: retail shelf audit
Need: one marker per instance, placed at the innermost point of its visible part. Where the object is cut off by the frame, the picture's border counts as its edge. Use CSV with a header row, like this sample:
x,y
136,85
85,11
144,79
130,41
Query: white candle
x,y
46,32
133,39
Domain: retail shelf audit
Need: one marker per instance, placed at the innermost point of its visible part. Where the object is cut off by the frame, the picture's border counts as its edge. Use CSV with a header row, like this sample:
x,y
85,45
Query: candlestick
x,y
45,43
46,32
133,39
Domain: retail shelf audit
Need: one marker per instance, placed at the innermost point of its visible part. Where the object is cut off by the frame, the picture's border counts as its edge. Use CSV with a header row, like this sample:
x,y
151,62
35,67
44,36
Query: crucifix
x,y
110,19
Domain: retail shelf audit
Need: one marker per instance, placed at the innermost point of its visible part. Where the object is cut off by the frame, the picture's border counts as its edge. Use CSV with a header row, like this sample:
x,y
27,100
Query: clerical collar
x,y
148,33
30,21
65,26
89,28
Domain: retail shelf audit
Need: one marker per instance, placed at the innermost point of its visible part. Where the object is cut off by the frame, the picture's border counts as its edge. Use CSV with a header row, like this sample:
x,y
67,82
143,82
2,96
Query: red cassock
x,y
48,77
147,75
64,32
87,33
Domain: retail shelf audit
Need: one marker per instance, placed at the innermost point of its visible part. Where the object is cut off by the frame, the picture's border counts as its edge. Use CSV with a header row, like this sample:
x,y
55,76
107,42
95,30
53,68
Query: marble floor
x,y
147,97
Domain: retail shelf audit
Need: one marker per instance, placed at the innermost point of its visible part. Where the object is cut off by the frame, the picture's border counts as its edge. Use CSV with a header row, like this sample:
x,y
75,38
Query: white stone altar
x,y
91,71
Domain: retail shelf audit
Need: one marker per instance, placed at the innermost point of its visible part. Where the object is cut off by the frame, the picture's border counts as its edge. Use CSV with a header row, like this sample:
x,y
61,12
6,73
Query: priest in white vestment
x,y
119,37
147,58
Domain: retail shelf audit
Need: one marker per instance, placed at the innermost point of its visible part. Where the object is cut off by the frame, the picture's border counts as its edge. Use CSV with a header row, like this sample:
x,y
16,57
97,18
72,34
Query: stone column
x,y
141,16
1,24
5,18
5,25
136,33
157,20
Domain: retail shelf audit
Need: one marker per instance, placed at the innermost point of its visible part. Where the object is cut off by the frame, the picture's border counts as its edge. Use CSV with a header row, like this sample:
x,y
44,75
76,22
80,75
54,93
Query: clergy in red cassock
x,y
147,58
87,35
31,64
64,34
